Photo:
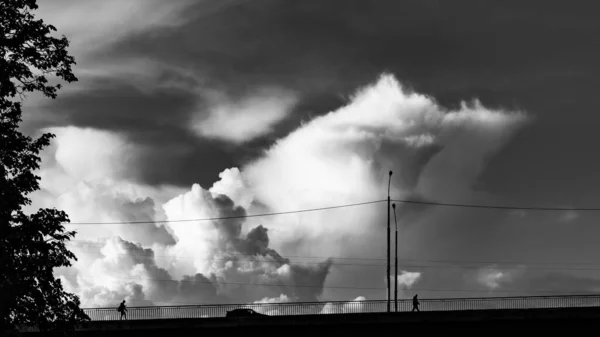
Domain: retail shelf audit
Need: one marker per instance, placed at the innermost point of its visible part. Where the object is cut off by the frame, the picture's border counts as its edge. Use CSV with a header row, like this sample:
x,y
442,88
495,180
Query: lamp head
x,y
394,206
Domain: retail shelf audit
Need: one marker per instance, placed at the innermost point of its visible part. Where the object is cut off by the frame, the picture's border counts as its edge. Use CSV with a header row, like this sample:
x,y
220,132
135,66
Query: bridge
x,y
340,307
464,315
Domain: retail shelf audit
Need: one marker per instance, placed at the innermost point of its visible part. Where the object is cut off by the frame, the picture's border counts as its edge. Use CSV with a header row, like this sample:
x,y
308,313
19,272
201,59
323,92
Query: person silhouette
x,y
415,303
122,309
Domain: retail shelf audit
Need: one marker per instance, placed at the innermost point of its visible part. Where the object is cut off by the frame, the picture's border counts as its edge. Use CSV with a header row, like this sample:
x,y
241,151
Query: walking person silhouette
x,y
122,309
415,303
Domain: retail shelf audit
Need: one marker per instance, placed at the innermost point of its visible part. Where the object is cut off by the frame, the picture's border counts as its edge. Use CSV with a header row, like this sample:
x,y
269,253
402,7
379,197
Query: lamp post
x,y
388,243
396,262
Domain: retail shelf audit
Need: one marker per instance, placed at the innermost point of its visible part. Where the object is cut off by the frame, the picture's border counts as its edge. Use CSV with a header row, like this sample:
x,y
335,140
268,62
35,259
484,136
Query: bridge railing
x,y
338,307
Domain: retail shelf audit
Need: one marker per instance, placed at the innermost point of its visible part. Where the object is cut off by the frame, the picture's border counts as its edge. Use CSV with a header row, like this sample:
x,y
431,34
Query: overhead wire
x,y
407,260
335,287
404,201
521,208
228,217
407,263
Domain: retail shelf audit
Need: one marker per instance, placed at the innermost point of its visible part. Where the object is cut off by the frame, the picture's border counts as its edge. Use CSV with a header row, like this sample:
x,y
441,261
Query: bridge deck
x,y
468,322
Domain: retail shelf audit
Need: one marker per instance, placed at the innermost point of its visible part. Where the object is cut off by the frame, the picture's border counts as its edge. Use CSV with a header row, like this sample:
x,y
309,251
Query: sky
x,y
223,108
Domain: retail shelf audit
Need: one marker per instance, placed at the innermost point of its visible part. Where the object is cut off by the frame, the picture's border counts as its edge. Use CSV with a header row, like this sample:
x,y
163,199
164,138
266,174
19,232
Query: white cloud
x,y
199,239
283,298
354,306
518,213
118,270
217,244
493,277
341,157
568,216
243,120
344,156
91,155
408,278
85,173
232,184
89,182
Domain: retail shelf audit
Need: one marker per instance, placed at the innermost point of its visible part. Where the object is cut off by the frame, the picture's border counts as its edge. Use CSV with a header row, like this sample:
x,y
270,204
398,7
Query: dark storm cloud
x,y
557,282
154,120
537,55
534,55
459,45
116,105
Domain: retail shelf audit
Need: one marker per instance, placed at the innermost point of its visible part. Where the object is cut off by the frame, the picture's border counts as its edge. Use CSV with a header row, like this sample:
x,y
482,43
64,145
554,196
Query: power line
x,y
342,287
404,201
523,208
98,244
407,260
457,263
240,283
227,217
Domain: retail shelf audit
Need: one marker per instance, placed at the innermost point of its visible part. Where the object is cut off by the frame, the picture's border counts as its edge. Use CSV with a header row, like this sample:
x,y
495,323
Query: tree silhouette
x,y
31,246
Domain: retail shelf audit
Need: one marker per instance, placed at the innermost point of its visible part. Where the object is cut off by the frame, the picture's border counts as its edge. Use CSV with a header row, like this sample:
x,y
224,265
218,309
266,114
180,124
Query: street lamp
x,y
396,268
388,243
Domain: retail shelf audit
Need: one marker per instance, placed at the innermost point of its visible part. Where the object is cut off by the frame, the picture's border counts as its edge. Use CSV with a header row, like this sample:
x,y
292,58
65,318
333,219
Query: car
x,y
243,313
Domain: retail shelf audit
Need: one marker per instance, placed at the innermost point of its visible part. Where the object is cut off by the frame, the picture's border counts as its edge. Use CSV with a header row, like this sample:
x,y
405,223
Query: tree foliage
x,y
31,245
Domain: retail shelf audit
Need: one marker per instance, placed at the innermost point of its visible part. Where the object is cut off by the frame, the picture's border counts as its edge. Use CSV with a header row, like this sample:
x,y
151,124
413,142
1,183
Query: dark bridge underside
x,y
463,322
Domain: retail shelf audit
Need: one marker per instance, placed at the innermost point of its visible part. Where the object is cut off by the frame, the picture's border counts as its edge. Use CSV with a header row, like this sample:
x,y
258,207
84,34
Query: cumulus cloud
x,y
211,259
236,260
407,278
87,173
269,306
232,183
341,157
117,269
568,216
245,119
280,299
105,202
90,155
115,264
344,156
206,264
354,306
518,213
493,277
